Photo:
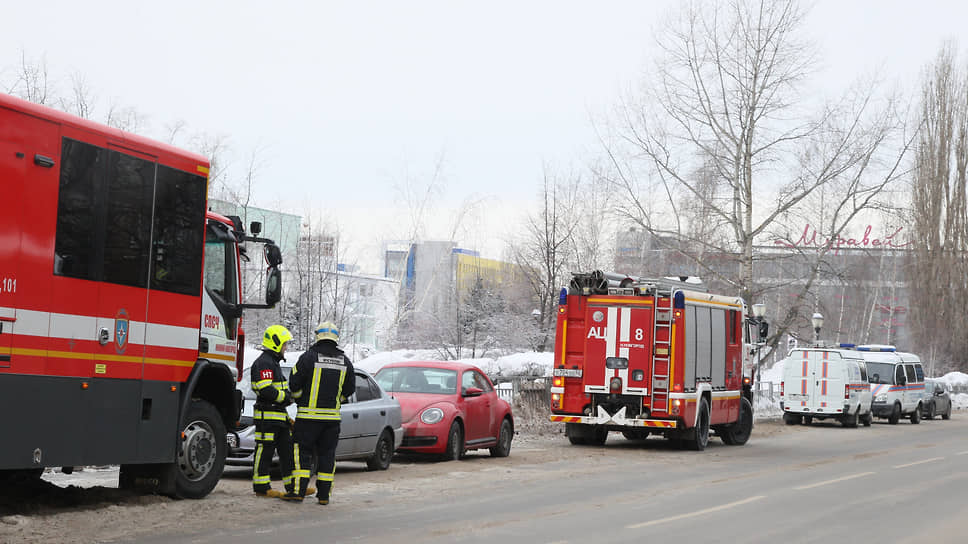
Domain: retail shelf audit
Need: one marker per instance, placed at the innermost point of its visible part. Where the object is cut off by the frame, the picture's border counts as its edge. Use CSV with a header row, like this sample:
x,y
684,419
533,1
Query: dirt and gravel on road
x,y
87,507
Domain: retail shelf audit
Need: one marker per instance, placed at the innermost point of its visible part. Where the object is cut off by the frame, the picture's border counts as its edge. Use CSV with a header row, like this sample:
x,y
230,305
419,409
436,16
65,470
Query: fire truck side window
x,y
732,324
177,231
131,183
219,262
81,178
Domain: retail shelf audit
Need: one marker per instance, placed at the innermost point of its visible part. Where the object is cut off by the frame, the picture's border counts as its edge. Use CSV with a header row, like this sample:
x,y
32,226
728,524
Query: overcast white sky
x,y
349,100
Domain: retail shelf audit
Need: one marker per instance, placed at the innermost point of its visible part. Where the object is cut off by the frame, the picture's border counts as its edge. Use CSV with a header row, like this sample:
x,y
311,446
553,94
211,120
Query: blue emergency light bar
x,y
563,296
846,345
876,347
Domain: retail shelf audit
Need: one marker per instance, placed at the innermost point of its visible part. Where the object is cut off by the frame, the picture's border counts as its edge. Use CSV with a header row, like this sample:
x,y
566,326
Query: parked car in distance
x,y
936,400
371,428
448,408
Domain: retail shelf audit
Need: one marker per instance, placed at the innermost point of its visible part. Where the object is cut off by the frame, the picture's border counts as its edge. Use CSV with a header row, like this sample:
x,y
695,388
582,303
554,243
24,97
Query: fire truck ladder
x,y
662,344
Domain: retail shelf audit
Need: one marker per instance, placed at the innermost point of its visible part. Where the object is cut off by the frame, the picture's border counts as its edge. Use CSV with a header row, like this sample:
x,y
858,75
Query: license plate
x,y
567,372
796,397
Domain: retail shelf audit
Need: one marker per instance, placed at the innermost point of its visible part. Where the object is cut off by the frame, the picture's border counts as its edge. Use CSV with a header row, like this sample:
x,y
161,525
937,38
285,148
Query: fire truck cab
x,y
652,356
120,304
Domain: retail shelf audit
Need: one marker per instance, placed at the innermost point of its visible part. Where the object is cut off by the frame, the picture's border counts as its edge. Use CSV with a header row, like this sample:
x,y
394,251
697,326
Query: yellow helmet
x,y
327,331
275,337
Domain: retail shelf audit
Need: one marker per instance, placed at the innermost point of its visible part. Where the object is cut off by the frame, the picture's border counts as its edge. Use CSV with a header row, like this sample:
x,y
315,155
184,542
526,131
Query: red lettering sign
x,y
811,238
267,374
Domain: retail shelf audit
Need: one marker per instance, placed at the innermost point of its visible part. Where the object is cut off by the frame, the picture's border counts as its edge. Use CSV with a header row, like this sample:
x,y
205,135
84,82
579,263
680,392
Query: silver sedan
x,y
370,430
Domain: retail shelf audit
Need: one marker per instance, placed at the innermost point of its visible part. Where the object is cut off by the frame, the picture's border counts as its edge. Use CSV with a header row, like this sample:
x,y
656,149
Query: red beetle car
x,y
448,408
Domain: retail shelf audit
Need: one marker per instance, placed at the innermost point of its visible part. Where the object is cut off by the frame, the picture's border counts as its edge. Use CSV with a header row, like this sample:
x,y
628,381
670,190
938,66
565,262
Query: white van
x,y
821,383
896,382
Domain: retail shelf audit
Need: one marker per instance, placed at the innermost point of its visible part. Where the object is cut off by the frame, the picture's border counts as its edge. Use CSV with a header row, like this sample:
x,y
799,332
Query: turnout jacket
x,y
271,390
322,375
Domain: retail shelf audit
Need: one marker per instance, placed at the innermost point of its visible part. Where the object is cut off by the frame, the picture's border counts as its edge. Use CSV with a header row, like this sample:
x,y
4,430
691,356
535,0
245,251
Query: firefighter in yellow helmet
x,y
271,420
322,379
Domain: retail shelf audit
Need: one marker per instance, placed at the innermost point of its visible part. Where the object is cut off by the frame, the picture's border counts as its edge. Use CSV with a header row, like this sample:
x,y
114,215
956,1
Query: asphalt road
x,y
824,483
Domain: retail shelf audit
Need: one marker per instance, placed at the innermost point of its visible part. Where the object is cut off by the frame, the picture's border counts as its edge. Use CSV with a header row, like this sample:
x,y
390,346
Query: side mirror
x,y
273,255
255,228
273,287
473,392
939,391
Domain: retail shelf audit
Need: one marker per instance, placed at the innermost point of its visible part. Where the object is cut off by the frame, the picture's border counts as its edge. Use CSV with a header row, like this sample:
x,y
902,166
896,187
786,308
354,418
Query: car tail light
x,y
615,384
846,392
781,389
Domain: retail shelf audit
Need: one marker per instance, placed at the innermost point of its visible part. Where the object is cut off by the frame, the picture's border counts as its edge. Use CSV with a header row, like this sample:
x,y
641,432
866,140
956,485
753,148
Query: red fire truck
x,y
646,356
120,304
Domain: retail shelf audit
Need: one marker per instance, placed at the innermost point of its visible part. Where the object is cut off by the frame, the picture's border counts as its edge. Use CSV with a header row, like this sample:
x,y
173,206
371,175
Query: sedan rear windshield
x,y
418,380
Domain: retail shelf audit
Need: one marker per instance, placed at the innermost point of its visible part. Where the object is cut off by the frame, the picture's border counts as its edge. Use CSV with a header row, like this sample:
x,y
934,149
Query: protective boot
x,y
269,493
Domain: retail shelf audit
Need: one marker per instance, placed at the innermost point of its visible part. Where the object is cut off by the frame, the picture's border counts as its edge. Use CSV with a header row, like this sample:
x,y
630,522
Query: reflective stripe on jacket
x,y
321,377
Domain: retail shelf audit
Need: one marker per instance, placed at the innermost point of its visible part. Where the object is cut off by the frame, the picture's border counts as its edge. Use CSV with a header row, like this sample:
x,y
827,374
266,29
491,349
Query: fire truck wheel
x,y
599,436
201,453
916,415
791,419
739,433
807,420
699,437
577,440
455,442
868,419
895,415
576,434
503,446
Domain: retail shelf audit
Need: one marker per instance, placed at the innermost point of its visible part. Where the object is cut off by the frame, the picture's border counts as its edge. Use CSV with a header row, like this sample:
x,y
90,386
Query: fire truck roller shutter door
x,y
689,380
718,344
703,344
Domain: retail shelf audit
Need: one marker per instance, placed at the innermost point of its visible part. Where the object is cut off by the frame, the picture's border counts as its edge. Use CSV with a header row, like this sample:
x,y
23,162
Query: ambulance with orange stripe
x,y
896,382
652,356
120,304
825,383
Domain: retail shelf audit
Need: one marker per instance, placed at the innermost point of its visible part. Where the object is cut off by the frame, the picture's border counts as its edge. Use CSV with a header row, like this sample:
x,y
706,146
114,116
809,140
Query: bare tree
x,y
722,148
545,250
31,80
940,210
82,100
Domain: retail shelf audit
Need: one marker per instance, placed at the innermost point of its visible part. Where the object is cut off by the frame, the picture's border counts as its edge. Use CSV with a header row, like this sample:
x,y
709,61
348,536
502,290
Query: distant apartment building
x,y
370,309
434,274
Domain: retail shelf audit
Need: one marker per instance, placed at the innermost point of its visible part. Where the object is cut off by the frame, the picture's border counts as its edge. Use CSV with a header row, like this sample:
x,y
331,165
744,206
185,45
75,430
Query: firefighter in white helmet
x,y
322,379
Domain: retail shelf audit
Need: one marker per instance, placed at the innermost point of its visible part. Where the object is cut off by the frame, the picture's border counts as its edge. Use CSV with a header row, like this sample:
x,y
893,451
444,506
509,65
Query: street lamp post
x,y
759,311
817,321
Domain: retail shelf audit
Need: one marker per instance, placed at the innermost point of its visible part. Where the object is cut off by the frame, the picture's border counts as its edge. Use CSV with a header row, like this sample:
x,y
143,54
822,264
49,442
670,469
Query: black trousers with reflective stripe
x,y
281,442
317,441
